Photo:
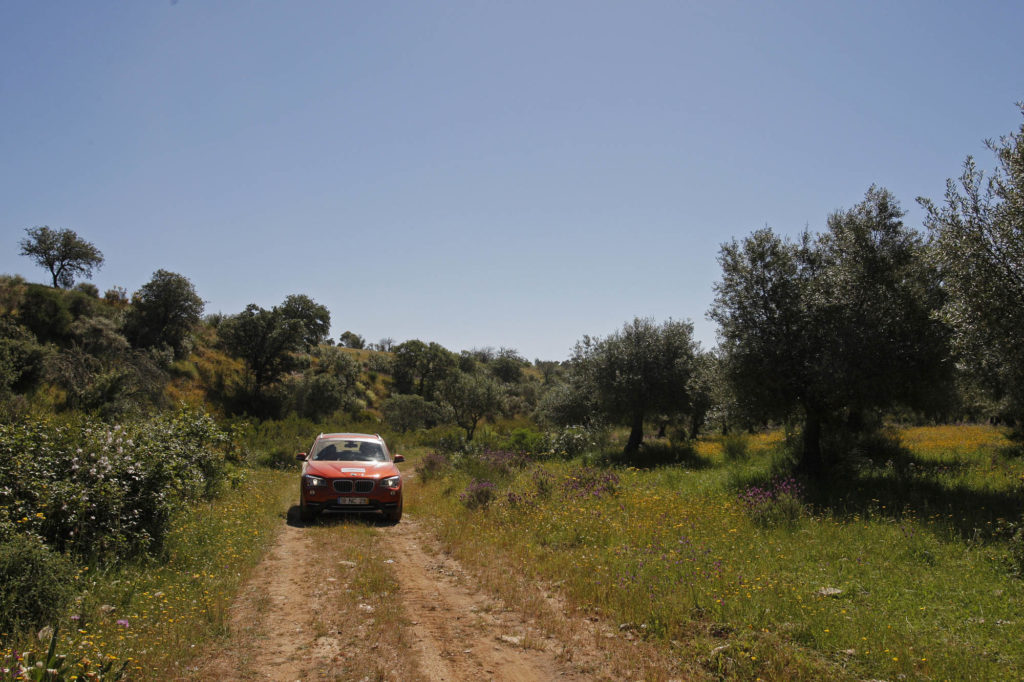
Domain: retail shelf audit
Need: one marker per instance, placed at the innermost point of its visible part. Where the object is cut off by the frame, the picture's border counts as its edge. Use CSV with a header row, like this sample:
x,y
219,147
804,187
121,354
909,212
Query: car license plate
x,y
353,500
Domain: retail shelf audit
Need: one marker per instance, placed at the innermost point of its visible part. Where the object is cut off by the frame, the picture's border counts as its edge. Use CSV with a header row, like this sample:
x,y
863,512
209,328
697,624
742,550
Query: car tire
x,y
394,515
306,514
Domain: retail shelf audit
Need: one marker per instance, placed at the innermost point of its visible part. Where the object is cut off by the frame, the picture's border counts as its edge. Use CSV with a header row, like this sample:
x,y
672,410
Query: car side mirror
x,y
301,456
399,458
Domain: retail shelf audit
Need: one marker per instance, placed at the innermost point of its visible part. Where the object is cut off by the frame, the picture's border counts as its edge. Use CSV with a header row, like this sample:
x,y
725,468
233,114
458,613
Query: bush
x,y
573,441
432,466
36,584
409,412
378,362
104,491
590,482
527,440
492,465
779,503
478,494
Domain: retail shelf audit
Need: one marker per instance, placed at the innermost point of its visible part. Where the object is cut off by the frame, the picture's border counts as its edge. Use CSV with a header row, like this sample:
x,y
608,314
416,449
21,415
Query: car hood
x,y
330,469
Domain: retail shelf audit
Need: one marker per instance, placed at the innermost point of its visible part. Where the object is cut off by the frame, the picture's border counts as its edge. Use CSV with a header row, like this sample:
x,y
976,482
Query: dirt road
x,y
404,611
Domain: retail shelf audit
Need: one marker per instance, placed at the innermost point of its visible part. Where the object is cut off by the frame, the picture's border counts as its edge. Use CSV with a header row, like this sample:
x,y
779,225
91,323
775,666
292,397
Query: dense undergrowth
x,y
147,617
123,539
906,566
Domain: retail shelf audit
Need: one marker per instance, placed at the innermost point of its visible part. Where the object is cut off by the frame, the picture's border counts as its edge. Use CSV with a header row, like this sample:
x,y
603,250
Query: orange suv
x,y
350,472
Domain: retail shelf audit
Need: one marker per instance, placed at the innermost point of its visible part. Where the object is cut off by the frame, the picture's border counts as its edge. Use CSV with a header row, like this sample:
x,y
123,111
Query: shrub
x,y
36,583
478,494
432,466
779,503
543,481
378,362
408,412
573,441
107,491
590,482
493,465
527,440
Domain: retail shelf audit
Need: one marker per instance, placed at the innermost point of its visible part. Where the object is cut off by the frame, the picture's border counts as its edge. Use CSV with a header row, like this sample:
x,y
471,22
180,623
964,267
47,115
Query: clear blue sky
x,y
512,174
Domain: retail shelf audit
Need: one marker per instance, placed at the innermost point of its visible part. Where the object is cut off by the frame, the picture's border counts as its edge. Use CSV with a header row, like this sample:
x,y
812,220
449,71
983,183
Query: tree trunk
x,y
812,461
636,435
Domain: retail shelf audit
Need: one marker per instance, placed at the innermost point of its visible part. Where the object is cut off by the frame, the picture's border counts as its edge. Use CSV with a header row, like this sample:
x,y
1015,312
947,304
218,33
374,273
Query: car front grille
x,y
349,485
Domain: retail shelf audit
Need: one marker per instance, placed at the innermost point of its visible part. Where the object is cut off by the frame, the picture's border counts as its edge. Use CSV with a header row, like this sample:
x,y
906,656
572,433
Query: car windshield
x,y
348,451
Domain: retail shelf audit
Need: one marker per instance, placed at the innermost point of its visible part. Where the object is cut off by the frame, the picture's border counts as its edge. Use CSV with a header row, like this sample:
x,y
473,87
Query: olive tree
x,y
469,398
832,326
977,243
62,252
642,370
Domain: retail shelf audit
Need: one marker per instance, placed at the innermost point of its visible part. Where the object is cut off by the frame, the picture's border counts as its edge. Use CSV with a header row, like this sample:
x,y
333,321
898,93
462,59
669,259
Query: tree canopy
x,y
639,371
420,368
977,242
62,252
314,318
163,312
265,340
350,339
472,397
833,325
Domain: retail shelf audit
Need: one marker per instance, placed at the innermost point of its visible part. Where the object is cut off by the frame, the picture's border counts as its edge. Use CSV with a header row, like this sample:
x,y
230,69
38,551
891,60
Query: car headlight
x,y
314,481
391,483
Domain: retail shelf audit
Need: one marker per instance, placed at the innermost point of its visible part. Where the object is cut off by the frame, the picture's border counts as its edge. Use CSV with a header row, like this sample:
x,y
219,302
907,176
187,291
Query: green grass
x,y
153,615
925,588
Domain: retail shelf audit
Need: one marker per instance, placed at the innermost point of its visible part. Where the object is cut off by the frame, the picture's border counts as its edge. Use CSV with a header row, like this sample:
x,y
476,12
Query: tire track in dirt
x,y
458,632
289,623
268,620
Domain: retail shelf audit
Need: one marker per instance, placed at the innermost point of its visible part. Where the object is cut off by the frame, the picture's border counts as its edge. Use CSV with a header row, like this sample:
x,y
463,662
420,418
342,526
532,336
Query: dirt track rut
x,y
450,629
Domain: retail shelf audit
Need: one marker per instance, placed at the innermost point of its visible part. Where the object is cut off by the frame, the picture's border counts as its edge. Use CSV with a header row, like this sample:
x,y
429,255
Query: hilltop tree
x,y
164,312
265,340
640,371
421,368
508,365
977,242
314,318
831,327
62,252
350,339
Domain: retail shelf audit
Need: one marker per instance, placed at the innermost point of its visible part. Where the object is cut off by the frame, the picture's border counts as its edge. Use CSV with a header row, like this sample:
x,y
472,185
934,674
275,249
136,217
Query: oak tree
x,y
62,252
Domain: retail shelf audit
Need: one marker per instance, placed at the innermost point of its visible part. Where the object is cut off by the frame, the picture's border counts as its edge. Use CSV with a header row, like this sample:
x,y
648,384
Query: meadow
x,y
904,566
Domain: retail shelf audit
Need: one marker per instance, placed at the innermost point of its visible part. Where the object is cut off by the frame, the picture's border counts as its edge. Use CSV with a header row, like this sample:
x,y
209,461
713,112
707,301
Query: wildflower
x,y
123,622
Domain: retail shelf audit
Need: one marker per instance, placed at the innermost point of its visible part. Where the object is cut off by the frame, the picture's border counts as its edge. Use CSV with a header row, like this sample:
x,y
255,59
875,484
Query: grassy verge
x,y
897,571
150,617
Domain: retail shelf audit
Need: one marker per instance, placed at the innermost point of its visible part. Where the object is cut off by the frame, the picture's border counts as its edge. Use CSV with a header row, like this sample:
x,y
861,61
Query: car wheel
x,y
394,515
306,514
